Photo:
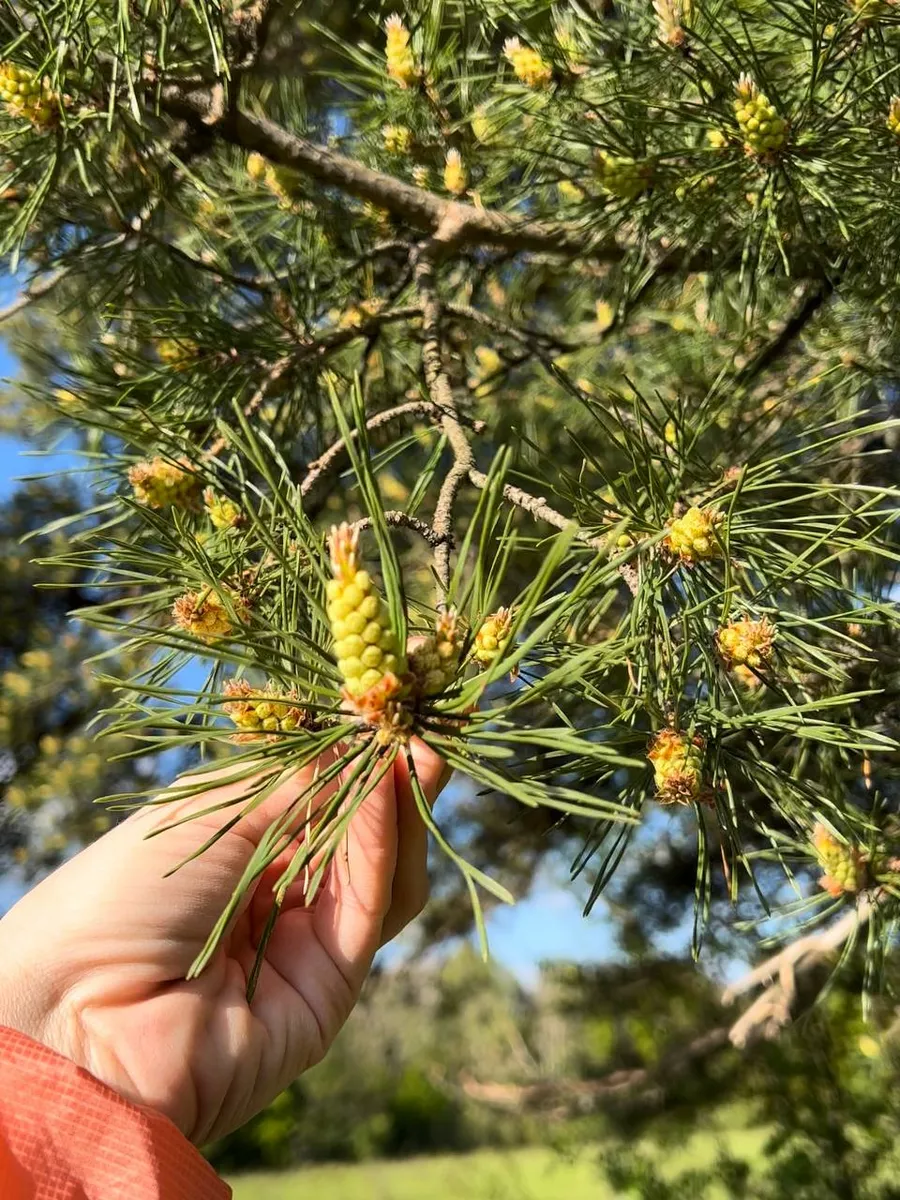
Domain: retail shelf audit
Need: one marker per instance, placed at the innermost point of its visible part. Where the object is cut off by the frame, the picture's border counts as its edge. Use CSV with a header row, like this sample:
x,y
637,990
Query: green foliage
x,y
627,372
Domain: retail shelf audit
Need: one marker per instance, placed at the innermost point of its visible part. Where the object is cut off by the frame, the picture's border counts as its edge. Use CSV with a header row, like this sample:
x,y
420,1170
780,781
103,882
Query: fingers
x,y
409,893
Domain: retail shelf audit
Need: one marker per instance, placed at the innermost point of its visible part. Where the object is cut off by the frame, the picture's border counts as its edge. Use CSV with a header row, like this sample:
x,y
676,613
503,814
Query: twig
x,y
538,507
810,304
39,287
330,458
272,376
237,281
395,517
441,393
525,337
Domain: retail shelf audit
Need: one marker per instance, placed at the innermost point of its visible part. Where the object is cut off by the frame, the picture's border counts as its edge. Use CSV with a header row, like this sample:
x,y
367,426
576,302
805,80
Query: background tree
x,y
583,319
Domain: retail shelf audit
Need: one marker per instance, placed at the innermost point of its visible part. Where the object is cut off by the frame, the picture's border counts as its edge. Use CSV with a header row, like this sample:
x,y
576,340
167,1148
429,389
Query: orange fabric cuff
x,y
66,1136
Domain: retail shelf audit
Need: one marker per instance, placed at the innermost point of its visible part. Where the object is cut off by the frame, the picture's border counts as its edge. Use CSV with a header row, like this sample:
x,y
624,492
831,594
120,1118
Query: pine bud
x,y
26,95
368,657
266,714
692,537
893,117
746,643
621,176
177,353
456,179
483,127
205,615
670,16
492,638
716,139
677,766
257,166
606,315
223,513
159,483
763,130
489,361
527,64
399,60
397,139
845,867
570,192
434,662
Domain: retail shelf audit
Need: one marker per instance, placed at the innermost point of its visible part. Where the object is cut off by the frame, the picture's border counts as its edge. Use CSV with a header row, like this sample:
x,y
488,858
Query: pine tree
x,y
577,324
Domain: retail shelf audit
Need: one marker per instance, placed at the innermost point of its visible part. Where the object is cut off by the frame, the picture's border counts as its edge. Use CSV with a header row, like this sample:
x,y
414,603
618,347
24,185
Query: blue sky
x,y
546,925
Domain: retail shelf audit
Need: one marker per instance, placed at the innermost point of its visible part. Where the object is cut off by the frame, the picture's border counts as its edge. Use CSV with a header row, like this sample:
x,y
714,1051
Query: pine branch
x,y
459,224
441,393
771,1011
403,520
40,286
764,1019
812,300
561,1097
334,455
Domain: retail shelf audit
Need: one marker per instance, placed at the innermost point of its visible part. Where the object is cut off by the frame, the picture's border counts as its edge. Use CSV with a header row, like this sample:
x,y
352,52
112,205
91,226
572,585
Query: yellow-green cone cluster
x,y
399,60
529,67
434,662
205,615
746,643
456,178
492,637
893,118
763,130
845,867
159,483
677,767
621,176
397,139
692,537
26,95
268,714
368,657
222,512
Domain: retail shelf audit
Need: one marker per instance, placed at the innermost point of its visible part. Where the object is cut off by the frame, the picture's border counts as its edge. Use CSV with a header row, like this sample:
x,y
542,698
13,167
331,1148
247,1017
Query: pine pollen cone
x,y
677,766
265,714
205,615
845,867
492,637
746,643
435,660
159,483
370,662
692,537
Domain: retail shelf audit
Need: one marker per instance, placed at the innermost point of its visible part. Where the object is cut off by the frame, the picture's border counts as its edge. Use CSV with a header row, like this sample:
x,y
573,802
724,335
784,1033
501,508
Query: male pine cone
x,y
763,130
364,644
26,95
845,867
434,661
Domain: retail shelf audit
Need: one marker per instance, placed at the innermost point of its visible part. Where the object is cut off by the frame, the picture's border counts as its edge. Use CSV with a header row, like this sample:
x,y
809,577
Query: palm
x,y
124,937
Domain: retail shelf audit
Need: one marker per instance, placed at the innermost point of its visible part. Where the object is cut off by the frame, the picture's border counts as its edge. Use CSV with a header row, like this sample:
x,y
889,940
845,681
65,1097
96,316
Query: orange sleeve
x,y
66,1136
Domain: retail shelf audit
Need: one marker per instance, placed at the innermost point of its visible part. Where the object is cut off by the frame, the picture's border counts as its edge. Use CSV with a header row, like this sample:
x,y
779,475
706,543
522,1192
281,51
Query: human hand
x,y
95,957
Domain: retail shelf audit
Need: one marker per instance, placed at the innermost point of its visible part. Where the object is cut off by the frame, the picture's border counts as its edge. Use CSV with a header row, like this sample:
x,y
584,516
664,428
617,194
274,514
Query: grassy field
x,y
527,1174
